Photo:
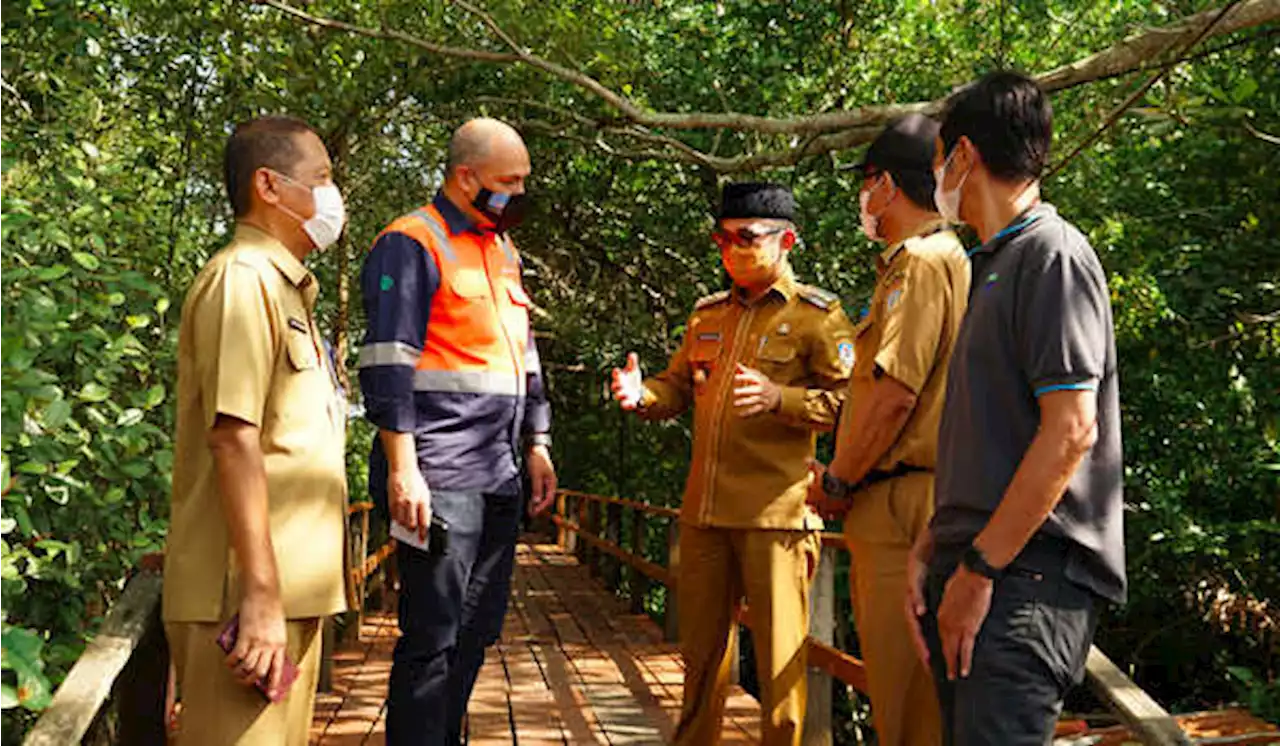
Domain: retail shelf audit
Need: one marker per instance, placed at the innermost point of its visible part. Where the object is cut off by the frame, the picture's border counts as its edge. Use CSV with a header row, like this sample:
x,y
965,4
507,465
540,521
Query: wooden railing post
x,y
613,533
584,547
562,536
570,536
142,689
670,615
639,581
328,646
822,627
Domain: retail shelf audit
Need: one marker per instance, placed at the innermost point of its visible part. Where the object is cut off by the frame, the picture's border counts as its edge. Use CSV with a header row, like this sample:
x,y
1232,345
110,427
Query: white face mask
x,y
330,216
948,202
870,223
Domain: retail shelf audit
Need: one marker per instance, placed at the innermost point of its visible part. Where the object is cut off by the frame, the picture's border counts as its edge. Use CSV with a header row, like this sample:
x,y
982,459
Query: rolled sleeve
x,y
238,315
399,280
914,319
1064,320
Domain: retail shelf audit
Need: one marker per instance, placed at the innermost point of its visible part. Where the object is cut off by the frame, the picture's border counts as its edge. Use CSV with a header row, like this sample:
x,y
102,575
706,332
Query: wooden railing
x,y
120,689
592,527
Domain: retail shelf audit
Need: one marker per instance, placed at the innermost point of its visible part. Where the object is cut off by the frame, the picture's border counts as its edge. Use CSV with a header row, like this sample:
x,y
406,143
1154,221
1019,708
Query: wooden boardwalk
x,y
574,666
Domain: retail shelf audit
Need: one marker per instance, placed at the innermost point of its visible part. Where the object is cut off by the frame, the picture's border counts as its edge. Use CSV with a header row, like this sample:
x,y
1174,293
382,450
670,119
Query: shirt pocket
x,y
703,356
779,359
301,351
468,283
517,294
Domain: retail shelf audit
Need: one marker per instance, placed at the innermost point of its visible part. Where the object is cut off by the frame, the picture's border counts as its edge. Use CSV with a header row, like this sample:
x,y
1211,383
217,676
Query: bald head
x,y
486,158
482,140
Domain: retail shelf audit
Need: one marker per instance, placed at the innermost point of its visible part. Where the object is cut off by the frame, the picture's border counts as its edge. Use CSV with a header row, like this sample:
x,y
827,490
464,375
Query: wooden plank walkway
x,y
574,666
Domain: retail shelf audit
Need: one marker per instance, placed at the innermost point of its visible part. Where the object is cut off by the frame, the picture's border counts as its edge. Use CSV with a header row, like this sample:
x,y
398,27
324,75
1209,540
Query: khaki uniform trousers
x,y
880,530
773,569
217,710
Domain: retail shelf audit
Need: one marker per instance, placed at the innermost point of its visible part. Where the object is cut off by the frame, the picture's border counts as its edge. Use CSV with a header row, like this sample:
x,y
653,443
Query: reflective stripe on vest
x,y
479,317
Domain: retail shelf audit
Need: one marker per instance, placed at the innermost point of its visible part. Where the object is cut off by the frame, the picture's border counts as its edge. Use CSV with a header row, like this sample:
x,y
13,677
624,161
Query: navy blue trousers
x,y
1030,650
451,608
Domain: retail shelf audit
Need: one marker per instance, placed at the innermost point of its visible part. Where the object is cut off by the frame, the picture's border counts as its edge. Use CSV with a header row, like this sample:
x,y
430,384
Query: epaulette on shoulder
x,y
823,299
711,300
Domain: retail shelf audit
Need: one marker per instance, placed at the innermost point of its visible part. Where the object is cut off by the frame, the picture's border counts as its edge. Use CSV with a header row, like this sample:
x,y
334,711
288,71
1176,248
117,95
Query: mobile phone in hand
x,y
227,642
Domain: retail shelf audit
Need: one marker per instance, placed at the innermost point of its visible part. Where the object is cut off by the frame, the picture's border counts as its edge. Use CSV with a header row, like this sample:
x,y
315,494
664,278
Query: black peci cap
x,y
757,200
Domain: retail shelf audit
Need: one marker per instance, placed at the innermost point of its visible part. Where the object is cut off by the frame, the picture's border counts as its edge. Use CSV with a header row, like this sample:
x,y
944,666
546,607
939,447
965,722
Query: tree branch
x,y
827,131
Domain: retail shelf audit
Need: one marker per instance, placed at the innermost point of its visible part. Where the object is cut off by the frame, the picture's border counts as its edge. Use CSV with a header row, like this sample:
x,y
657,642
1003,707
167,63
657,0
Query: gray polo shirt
x,y
1039,320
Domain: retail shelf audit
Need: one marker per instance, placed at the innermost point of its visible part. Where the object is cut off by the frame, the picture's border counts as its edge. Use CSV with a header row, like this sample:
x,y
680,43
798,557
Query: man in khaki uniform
x,y
259,484
762,365
887,440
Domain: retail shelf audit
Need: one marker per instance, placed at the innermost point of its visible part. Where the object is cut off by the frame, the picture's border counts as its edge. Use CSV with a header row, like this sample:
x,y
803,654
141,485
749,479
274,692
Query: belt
x,y
876,476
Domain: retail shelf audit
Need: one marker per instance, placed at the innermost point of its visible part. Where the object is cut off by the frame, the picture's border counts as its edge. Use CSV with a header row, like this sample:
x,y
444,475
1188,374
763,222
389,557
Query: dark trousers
x,y
451,608
1030,650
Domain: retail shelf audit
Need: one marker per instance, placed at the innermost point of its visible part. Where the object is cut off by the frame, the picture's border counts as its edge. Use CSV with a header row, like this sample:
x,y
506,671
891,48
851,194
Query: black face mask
x,y
505,210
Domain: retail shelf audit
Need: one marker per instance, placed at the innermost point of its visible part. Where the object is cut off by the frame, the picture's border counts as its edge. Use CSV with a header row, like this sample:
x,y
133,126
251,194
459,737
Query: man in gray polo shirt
x,y
1027,539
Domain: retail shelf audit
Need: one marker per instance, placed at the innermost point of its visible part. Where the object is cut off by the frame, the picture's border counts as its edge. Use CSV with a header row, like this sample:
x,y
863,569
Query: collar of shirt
x,y
285,261
784,287
1033,214
454,218
927,228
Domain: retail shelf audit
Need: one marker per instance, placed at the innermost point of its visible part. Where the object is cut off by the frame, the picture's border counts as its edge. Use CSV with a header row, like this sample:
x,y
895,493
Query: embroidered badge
x,y
845,352
386,282
892,300
297,326
784,329
991,278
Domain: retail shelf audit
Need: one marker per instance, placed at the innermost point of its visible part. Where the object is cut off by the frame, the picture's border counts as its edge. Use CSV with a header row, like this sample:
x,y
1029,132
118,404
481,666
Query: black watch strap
x,y
836,488
976,562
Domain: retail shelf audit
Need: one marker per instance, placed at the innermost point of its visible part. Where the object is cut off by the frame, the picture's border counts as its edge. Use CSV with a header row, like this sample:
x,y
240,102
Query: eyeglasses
x,y
743,237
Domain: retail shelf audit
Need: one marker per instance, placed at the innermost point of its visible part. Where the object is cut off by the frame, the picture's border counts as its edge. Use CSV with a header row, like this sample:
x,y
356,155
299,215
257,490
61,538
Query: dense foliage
x,y
115,115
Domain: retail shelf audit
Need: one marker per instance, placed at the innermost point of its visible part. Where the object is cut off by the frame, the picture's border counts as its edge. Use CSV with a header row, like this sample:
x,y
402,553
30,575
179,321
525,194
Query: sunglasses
x,y
743,237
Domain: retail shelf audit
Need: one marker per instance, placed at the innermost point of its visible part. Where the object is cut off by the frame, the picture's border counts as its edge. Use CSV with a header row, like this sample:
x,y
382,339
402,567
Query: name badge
x,y
709,337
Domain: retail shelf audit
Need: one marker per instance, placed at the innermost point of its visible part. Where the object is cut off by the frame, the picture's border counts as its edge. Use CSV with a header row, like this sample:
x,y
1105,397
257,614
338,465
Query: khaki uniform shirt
x,y
909,332
752,472
248,348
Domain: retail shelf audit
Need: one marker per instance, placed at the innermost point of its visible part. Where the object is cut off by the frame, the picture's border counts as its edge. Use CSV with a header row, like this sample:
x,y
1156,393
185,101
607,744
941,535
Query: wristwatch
x,y
976,562
540,439
836,488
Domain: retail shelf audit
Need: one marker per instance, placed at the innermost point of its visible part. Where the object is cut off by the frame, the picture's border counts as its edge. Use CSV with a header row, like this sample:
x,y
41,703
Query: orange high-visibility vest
x,y
477,341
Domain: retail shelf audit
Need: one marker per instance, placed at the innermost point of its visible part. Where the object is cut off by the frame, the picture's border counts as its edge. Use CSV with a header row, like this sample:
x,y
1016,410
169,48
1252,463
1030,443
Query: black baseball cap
x,y
906,144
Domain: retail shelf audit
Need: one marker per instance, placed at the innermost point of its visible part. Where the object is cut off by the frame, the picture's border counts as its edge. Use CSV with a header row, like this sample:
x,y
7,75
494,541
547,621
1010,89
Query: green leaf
x,y
88,261
8,697
136,469
129,417
94,392
155,395
138,321
7,524
162,305
1244,90
49,274
57,413
33,467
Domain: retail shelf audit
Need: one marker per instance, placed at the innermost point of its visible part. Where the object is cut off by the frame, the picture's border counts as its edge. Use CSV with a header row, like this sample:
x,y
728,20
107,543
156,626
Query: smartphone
x,y
437,541
227,641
